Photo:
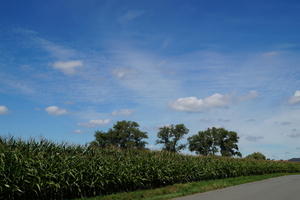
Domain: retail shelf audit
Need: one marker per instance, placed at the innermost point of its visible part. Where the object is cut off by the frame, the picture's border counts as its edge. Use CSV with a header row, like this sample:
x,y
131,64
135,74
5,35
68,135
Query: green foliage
x,y
46,170
256,155
170,135
124,134
228,143
214,140
204,143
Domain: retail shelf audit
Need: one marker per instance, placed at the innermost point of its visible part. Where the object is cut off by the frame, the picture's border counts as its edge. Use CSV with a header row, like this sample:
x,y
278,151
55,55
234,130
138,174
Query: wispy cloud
x,y
251,95
294,135
285,123
125,112
253,138
69,102
207,119
223,120
94,123
125,72
4,110
54,110
56,51
12,83
269,54
67,67
161,63
79,131
130,15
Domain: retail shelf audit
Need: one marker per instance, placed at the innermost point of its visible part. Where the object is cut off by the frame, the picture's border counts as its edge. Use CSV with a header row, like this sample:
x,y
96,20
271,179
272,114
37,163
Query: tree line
x,y
127,134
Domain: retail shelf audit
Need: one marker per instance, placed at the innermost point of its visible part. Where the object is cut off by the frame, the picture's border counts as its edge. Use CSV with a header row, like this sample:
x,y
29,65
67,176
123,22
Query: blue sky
x,y
69,68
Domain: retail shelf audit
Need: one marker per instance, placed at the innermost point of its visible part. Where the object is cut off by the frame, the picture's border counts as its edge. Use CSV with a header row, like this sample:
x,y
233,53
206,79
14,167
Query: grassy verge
x,y
179,190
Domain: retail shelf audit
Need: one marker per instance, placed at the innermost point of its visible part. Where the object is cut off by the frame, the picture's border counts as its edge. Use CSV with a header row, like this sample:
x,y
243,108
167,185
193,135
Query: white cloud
x,y
54,110
295,99
67,67
3,110
251,95
79,131
192,104
125,112
127,73
131,14
269,54
94,123
254,138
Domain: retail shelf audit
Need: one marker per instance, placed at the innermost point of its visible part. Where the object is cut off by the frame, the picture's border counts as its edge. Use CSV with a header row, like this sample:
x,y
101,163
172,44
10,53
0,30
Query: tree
x,y
228,143
256,155
124,134
170,135
215,140
102,139
203,143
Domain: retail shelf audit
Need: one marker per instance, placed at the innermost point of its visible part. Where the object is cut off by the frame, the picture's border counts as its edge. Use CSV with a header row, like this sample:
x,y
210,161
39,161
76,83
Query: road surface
x,y
281,188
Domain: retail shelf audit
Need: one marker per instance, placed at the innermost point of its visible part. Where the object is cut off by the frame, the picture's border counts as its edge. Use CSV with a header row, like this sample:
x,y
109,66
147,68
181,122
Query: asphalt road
x,y
281,188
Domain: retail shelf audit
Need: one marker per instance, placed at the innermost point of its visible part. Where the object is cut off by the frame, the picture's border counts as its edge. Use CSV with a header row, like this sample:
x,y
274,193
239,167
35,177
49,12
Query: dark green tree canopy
x,y
170,135
124,134
215,140
257,156
204,143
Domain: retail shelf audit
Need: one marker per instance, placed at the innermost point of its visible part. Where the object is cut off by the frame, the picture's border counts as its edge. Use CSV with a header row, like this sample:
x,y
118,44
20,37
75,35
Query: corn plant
x,y
46,170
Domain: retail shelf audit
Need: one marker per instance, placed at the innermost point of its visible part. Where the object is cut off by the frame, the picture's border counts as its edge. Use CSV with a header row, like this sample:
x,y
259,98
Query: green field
x,y
46,170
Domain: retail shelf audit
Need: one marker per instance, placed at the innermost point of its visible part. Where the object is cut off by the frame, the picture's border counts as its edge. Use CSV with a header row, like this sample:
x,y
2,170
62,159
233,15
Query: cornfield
x,y
47,170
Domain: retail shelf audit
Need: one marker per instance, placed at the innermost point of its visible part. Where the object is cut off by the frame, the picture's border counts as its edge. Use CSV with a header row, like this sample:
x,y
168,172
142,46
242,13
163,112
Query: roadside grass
x,y
179,190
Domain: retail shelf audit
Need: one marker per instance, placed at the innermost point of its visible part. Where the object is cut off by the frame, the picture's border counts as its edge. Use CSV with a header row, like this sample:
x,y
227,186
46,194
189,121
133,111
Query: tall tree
x,y
204,143
102,139
124,134
215,140
170,135
228,143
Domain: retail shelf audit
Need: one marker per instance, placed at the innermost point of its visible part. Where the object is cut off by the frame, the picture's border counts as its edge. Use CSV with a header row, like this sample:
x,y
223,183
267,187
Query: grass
x,y
180,190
